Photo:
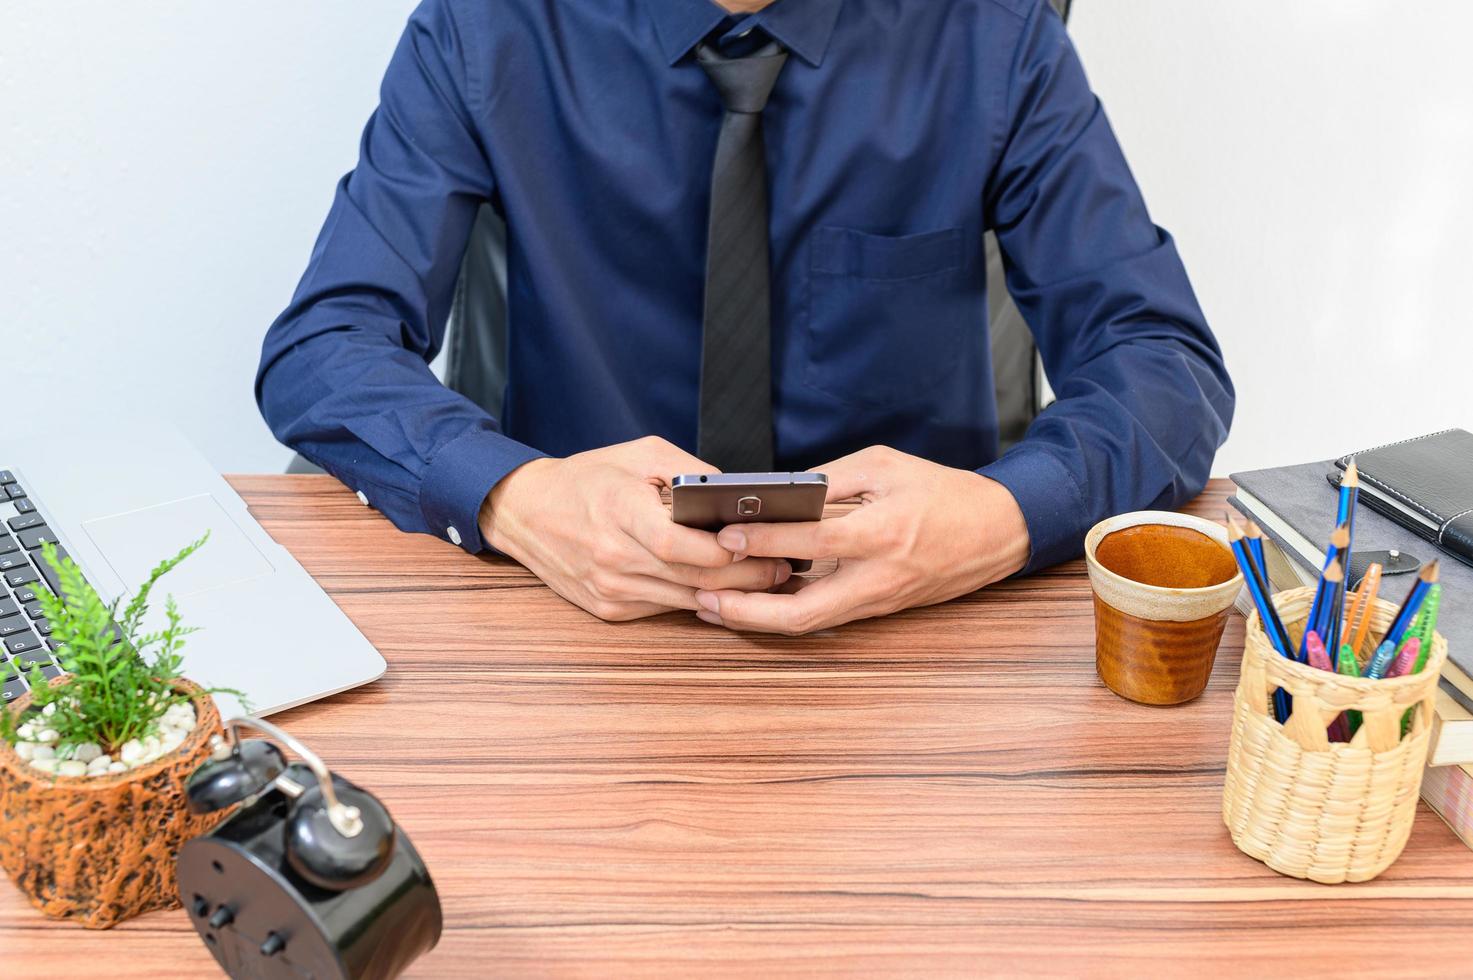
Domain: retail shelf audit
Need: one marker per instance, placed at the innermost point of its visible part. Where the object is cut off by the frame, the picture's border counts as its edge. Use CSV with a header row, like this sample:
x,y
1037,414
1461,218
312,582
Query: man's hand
x,y
925,533
593,527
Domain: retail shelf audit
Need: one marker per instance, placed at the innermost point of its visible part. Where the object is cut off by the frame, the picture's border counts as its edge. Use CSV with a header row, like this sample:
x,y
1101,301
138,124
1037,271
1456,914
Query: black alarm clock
x,y
310,877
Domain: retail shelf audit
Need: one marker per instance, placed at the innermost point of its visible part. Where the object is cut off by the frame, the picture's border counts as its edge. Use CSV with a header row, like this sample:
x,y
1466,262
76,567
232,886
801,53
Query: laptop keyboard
x,y
25,635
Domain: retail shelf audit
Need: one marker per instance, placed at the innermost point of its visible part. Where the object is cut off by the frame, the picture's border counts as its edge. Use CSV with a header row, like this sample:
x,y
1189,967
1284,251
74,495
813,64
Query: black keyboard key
x,y
6,477
48,574
14,491
31,659
51,671
11,687
23,643
11,625
24,506
53,646
7,544
23,521
35,537
43,626
33,610
8,607
17,577
25,594
16,559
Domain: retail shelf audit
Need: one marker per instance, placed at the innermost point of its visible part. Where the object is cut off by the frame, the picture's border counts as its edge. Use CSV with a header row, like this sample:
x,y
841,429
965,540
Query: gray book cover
x,y
1303,499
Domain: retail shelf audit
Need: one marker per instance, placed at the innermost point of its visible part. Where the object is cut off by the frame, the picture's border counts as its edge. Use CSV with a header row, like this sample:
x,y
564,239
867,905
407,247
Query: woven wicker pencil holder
x,y
1305,806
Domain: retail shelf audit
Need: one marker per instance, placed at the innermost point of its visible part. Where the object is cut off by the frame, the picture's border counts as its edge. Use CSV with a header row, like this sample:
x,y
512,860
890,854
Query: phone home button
x,y
749,506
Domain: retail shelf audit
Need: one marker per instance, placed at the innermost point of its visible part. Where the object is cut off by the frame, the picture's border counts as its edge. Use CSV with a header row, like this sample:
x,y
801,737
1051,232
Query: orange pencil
x,y
1358,619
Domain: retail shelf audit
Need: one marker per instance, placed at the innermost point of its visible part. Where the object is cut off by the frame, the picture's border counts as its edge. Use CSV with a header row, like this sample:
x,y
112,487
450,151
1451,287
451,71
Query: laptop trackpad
x,y
133,543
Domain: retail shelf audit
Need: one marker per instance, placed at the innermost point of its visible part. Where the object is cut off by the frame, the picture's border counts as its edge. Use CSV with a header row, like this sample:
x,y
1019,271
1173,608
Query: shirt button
x,y
453,535
363,498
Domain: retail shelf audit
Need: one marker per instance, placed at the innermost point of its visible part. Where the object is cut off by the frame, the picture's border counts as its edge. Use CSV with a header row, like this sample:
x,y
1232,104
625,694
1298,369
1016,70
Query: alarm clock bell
x,y
309,877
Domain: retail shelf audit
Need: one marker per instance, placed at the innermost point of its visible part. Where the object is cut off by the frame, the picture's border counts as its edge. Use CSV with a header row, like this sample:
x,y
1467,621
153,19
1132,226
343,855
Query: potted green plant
x,y
93,764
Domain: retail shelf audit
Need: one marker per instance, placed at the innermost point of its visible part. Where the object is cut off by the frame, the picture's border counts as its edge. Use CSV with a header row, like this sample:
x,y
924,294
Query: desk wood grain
x,y
946,790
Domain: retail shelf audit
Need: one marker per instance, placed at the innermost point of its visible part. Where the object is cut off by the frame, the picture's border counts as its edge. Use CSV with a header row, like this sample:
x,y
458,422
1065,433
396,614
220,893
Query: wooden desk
x,y
947,789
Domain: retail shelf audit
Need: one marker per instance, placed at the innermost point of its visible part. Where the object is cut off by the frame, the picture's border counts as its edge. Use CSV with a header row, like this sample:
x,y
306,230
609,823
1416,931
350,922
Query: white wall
x,y
1314,159
164,168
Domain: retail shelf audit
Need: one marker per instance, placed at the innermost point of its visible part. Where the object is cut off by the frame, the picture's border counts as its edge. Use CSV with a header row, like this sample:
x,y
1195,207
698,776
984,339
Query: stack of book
x,y
1417,505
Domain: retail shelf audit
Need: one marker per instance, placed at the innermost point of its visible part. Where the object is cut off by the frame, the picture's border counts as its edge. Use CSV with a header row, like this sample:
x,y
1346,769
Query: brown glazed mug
x,y
1163,584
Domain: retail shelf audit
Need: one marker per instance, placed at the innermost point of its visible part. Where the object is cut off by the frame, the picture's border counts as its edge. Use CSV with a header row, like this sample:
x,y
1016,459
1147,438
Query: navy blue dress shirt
x,y
898,133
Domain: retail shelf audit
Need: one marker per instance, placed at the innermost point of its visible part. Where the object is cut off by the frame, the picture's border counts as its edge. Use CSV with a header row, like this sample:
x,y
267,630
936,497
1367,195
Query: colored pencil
x,y
1320,659
1345,509
1426,578
1317,656
1381,660
1359,622
1273,627
1349,492
1254,535
1406,659
1344,517
1257,576
1320,608
1347,666
1325,592
1428,617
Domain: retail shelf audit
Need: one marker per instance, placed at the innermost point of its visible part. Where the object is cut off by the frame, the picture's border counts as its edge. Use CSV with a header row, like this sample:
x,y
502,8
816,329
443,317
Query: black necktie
x,y
736,351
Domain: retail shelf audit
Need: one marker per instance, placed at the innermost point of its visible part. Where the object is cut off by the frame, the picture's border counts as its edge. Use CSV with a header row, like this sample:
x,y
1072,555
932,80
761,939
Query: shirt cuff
x,y
1050,499
459,478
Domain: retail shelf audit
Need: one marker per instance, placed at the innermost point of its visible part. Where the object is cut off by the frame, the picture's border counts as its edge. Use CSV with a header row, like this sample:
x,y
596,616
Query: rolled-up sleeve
x,y
1143,396
344,376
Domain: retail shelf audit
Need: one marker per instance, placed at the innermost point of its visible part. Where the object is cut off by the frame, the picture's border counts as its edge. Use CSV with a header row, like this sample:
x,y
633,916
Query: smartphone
x,y
710,502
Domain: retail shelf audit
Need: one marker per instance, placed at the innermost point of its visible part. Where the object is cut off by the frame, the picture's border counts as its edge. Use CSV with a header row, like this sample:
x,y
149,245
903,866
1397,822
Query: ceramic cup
x,y
1163,584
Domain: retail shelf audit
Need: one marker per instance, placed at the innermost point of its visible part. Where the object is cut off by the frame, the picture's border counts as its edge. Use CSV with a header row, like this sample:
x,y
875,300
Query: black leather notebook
x,y
1425,485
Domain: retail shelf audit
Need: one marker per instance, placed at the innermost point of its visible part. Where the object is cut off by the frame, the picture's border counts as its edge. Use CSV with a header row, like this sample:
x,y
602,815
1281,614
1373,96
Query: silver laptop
x,y
118,508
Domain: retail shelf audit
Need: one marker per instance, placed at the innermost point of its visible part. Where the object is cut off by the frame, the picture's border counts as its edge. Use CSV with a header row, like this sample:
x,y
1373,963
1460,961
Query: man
x,y
751,233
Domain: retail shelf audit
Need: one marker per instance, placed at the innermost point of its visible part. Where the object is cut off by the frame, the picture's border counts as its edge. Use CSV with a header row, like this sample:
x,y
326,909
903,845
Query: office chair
x,y
477,336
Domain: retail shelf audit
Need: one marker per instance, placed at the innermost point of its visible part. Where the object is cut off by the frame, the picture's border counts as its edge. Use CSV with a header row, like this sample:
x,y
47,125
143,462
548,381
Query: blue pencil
x,y
1333,578
1345,517
1254,536
1324,595
1408,611
1273,627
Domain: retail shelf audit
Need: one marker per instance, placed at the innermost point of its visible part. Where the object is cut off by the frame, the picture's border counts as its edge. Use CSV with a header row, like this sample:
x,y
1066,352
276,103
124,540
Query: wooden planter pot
x,y
101,849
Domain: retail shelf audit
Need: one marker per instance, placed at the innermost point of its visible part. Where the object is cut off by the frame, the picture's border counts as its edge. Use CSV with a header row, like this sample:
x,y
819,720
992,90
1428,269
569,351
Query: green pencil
x,y
1345,664
1427,623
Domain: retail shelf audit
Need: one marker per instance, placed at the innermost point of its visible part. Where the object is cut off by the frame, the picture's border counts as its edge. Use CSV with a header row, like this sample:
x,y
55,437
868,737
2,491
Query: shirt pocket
x,y
887,316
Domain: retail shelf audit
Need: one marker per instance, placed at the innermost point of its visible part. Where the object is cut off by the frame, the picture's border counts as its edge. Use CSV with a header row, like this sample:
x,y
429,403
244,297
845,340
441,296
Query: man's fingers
x,y
665,461
855,474
753,575
837,537
623,612
649,590
648,522
819,604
